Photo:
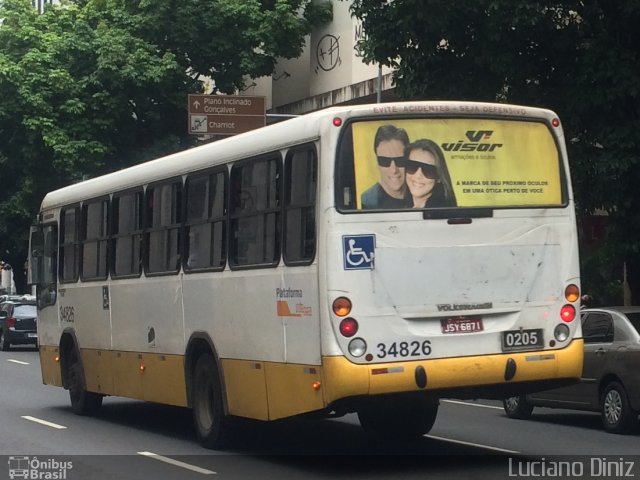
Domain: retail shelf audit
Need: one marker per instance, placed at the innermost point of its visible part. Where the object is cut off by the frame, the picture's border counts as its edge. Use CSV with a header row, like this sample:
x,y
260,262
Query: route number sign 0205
x,y
522,339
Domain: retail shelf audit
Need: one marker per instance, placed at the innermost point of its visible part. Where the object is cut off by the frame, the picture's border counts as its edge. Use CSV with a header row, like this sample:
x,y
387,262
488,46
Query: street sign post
x,y
225,114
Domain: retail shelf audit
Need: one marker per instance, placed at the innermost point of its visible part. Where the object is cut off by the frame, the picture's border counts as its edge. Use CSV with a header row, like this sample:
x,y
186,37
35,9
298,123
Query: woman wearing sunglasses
x,y
427,176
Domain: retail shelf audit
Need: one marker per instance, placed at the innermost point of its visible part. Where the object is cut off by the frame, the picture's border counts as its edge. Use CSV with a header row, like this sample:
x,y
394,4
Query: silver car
x,y
610,382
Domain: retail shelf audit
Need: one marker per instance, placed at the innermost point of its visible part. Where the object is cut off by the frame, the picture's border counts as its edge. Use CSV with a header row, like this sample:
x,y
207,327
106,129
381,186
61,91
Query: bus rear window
x,y
448,162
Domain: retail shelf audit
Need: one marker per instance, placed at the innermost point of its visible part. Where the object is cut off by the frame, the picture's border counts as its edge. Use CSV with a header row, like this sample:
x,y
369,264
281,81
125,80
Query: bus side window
x,y
345,185
50,267
300,198
255,213
94,240
36,255
70,245
205,226
127,234
47,281
164,209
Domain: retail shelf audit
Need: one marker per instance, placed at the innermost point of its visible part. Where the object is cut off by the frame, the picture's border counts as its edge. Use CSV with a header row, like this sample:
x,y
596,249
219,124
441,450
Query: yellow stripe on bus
x,y
50,365
276,390
343,378
145,376
270,390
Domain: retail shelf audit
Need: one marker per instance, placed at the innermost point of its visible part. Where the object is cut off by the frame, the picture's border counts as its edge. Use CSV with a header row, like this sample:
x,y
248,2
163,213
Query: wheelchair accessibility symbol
x,y
358,251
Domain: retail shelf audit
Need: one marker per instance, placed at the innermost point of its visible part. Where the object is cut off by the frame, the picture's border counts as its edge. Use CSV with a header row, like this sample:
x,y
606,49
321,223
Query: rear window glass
x,y
25,310
448,162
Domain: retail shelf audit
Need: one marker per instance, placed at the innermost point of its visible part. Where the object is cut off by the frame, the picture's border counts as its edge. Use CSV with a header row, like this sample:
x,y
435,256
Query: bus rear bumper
x,y
484,376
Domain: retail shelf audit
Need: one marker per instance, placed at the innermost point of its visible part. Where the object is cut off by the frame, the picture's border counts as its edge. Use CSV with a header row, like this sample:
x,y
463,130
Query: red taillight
x,y
555,122
568,313
337,121
11,322
348,327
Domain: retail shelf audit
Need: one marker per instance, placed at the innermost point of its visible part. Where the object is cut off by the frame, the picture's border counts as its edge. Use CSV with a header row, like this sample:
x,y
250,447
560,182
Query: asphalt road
x,y
137,440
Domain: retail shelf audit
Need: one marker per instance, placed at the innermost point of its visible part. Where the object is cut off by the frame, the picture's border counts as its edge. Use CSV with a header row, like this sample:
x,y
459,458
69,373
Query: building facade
x,y
329,72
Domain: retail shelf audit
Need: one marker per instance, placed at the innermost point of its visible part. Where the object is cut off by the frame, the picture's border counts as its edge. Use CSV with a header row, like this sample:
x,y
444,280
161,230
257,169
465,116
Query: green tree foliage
x,y
79,95
580,58
92,86
227,40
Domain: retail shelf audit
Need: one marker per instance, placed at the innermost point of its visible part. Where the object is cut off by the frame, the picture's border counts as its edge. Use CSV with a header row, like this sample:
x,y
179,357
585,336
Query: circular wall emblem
x,y
328,52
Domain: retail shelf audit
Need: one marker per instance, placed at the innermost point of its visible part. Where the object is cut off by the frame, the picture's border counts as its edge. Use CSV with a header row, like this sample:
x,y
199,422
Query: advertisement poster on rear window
x,y
432,163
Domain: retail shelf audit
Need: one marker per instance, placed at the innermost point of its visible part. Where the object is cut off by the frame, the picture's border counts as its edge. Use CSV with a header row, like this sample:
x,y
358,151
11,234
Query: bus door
x,y
43,273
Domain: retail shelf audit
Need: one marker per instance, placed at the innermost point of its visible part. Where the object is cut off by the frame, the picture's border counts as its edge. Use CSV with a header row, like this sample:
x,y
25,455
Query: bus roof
x,y
290,132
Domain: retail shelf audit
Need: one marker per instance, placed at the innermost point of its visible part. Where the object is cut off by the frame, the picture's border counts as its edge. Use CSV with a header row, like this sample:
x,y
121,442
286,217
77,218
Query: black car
x,y
610,382
18,321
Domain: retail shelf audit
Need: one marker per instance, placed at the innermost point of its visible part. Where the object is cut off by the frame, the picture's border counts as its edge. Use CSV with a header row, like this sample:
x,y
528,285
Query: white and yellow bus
x,y
253,277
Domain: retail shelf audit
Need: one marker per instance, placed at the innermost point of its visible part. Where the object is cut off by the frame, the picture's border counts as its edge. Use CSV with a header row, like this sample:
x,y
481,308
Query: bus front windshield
x,y
435,163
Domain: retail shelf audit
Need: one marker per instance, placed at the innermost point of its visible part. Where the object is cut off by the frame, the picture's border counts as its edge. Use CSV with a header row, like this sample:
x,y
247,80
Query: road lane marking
x,y
17,361
44,422
472,404
470,444
177,463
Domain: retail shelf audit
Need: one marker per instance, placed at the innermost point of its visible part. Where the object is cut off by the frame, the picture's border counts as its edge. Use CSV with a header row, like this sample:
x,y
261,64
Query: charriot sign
x,y
225,114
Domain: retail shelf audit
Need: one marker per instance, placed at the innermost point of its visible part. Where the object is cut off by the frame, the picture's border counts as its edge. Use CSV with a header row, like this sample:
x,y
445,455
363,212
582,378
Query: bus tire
x,y
210,421
615,410
393,420
82,401
517,407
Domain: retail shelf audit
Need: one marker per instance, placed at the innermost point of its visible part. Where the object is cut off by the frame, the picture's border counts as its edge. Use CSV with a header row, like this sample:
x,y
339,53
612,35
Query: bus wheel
x,y
617,415
82,401
210,421
517,407
398,420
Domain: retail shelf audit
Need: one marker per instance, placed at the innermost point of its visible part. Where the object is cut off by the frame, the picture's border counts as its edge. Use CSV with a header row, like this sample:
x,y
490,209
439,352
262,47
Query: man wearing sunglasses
x,y
391,190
